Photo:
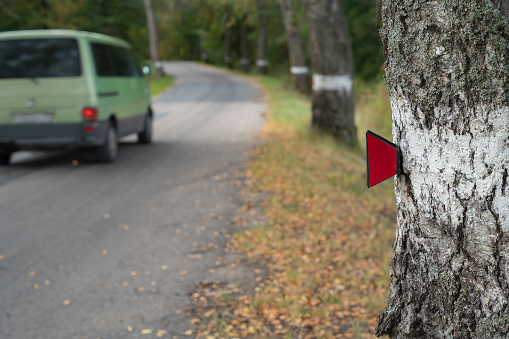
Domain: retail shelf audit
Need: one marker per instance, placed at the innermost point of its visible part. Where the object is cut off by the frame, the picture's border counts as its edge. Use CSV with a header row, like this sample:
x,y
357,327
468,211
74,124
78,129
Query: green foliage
x,y
121,18
193,29
364,21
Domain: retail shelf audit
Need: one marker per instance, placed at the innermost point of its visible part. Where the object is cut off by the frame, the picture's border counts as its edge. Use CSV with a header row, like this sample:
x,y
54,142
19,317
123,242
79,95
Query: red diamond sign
x,y
383,158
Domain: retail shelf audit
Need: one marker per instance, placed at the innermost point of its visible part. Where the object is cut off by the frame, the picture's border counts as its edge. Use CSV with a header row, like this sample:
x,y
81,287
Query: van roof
x,y
61,33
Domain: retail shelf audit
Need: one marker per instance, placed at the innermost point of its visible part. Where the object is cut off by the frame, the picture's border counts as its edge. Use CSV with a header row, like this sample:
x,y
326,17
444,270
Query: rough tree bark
x,y
244,50
261,61
152,31
295,48
333,105
447,73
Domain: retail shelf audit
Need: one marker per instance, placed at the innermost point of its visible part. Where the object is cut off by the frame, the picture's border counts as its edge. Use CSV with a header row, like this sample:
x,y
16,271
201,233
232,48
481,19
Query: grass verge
x,y
157,85
327,240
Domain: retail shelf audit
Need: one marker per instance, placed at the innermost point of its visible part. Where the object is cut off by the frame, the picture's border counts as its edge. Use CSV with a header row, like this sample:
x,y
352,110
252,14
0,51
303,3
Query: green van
x,y
63,88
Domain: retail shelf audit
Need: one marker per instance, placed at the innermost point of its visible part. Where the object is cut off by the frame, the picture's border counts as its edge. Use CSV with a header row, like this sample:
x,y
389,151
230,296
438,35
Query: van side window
x,y
103,64
112,61
135,68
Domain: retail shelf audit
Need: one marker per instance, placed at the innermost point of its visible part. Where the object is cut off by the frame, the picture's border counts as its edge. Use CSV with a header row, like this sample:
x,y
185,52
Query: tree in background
x,y
244,49
153,38
447,76
332,100
296,52
261,61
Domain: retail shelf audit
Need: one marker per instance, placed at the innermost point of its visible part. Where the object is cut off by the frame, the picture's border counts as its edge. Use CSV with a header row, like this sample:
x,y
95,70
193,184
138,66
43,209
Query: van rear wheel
x,y
108,151
145,136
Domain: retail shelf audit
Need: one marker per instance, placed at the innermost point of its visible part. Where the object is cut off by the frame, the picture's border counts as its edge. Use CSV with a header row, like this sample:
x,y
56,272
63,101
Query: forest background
x,y
195,29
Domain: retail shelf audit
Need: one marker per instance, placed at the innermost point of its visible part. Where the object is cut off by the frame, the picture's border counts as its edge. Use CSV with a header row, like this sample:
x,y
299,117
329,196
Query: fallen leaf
x,y
188,332
74,162
32,274
195,321
106,216
146,331
165,323
133,273
36,286
104,252
1,257
184,272
164,267
47,282
129,329
66,302
160,333
141,289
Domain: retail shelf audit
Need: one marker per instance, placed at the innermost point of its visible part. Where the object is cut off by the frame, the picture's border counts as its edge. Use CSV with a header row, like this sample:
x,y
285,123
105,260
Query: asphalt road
x,y
91,250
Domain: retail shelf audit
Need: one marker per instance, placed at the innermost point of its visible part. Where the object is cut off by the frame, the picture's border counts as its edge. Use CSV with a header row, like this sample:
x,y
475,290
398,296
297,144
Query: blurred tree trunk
x,y
446,73
244,59
295,48
228,41
261,62
152,31
333,103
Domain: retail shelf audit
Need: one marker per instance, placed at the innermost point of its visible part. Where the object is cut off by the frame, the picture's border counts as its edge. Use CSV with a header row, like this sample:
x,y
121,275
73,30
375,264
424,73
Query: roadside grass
x,y
157,85
327,239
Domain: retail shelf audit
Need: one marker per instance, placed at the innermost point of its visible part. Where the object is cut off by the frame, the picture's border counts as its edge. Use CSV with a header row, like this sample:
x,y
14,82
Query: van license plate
x,y
32,118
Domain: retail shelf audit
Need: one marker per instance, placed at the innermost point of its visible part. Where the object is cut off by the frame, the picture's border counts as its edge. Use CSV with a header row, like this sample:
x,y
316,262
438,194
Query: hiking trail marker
x,y
383,159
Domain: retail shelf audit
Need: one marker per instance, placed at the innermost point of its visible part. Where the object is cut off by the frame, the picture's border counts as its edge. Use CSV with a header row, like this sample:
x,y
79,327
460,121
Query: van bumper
x,y
52,136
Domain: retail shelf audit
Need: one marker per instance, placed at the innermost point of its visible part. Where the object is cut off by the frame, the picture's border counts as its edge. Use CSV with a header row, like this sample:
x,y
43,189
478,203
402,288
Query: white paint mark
x,y
261,63
299,70
332,83
439,50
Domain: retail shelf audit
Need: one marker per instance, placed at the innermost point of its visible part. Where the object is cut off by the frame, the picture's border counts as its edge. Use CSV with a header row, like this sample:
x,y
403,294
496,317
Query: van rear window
x,y
39,58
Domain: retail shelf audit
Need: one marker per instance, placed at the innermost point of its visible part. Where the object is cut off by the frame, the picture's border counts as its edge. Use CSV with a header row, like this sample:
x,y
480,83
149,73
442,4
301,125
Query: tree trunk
x,y
331,53
152,31
228,41
296,52
261,62
447,77
244,59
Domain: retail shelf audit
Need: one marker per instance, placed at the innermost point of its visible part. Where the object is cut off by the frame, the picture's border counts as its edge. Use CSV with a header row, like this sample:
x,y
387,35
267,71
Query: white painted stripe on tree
x,y
299,70
244,61
332,83
261,63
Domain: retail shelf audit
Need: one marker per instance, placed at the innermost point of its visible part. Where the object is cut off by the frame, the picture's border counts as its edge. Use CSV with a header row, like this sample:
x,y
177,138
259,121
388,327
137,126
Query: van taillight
x,y
90,113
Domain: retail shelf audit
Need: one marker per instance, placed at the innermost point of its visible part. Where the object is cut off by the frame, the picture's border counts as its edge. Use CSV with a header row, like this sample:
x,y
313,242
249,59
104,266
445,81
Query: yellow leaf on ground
x,y
129,329
36,286
195,321
66,302
160,333
188,332
146,331
184,272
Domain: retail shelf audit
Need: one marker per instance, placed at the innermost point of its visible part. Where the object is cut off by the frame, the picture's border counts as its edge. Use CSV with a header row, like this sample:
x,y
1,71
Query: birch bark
x,y
447,73
331,53
298,66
